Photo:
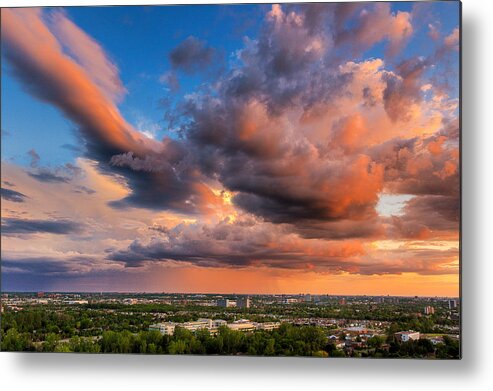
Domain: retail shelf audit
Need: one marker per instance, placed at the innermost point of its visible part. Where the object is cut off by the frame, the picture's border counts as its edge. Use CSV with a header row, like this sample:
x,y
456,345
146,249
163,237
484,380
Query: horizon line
x,y
229,293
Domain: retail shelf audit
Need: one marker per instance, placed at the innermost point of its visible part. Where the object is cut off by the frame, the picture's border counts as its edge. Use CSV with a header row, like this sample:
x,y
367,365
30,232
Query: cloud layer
x,y
280,160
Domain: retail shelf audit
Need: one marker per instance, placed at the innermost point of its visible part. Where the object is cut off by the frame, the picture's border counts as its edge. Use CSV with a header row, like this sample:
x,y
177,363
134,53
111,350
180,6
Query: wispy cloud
x,y
12,195
22,226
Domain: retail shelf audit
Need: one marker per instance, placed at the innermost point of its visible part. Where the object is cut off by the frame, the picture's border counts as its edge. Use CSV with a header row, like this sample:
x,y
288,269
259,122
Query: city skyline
x,y
248,149
224,294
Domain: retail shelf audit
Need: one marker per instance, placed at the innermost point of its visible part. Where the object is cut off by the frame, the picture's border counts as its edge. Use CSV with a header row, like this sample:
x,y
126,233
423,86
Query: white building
x,y
197,324
268,326
245,325
290,300
216,323
429,310
406,336
74,302
166,328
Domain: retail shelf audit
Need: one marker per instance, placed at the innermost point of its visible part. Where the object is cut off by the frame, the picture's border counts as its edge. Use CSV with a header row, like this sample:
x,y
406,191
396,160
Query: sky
x,y
231,149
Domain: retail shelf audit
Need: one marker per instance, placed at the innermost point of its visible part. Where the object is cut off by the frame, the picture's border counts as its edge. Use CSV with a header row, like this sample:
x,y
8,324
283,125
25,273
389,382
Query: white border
x,y
474,372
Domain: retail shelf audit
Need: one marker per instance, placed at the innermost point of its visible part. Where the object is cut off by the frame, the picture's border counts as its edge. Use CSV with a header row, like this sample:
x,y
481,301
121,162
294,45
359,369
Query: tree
x,y
13,341
51,342
62,348
177,347
337,353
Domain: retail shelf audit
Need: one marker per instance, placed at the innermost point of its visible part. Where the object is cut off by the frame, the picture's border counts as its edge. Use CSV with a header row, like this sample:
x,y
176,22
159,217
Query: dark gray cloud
x,y
12,195
49,266
11,226
61,174
34,158
404,88
164,180
374,23
406,259
239,244
38,266
247,243
428,217
49,177
84,189
412,166
192,55
369,228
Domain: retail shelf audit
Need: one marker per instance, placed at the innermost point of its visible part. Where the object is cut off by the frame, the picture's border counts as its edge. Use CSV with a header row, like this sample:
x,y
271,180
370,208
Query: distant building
x,y
436,340
41,294
429,310
406,336
268,326
342,301
216,323
245,325
357,330
289,300
197,324
129,301
167,328
452,304
243,302
226,303
307,298
76,302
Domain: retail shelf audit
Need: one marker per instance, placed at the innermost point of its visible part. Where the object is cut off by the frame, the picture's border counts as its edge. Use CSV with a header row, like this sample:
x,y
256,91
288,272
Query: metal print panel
x,y
257,179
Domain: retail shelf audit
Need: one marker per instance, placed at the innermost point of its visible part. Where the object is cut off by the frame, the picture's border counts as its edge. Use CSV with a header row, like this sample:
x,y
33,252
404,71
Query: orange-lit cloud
x,y
53,76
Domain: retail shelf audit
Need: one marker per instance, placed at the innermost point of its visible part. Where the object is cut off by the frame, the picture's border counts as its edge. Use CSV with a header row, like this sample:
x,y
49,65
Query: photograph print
x,y
240,180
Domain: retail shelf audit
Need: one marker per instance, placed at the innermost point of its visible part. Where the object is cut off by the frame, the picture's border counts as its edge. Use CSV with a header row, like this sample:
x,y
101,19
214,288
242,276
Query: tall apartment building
x,y
429,310
243,302
226,303
452,304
